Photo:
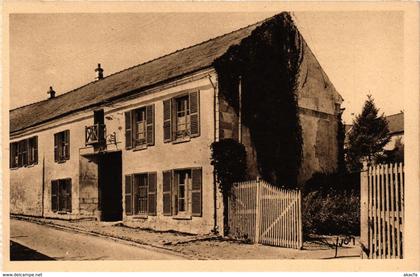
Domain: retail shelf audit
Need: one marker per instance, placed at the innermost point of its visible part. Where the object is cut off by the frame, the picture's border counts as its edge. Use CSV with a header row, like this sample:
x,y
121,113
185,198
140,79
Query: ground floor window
x,y
182,192
140,194
61,195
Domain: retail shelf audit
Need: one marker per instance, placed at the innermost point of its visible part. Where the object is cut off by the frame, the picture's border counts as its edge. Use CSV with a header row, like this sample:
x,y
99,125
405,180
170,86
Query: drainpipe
x,y
216,138
43,187
240,110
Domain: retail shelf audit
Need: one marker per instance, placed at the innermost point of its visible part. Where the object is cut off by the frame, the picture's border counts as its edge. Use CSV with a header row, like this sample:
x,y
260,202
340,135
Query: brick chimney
x,y
51,92
100,72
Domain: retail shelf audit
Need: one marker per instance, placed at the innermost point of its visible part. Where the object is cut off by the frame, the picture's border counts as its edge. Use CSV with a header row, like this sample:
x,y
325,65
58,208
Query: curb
x,y
126,241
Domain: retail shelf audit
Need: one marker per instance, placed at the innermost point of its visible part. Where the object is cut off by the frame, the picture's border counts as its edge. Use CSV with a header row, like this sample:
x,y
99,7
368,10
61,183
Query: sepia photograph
x,y
234,135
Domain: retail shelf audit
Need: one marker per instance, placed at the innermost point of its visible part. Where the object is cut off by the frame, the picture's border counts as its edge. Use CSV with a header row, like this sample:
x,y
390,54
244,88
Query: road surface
x,y
65,245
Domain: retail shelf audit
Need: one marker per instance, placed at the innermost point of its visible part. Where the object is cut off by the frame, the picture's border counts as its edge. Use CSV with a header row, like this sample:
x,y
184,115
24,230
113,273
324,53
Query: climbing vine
x,y
229,160
268,63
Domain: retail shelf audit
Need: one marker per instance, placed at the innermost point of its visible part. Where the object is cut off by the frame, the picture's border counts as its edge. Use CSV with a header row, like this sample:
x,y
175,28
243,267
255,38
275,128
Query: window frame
x,y
131,132
24,153
134,194
171,124
62,146
173,191
63,189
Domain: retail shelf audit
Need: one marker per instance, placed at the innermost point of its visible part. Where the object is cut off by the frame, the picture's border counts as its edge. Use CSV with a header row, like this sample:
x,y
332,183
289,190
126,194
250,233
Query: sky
x,y
361,52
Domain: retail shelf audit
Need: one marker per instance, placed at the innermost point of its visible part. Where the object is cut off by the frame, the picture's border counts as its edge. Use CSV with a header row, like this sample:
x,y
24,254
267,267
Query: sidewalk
x,y
202,247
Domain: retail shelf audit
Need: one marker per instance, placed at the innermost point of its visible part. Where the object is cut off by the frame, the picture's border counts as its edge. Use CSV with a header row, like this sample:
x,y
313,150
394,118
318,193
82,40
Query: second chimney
x,y
51,92
100,72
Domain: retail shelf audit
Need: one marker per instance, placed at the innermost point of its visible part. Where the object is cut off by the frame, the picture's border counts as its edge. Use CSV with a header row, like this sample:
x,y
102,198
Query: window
x,y
62,146
181,117
24,152
182,192
139,127
61,195
140,194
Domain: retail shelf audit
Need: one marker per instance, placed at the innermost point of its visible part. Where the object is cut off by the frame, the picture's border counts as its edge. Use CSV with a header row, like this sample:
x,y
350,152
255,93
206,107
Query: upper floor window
x,y
62,146
139,127
24,152
181,118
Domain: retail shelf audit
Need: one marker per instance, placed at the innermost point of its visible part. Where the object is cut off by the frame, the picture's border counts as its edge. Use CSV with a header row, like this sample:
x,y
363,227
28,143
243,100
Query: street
x,y
49,243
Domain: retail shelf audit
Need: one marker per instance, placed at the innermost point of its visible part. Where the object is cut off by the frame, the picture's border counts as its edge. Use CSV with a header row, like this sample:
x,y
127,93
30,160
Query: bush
x,y
331,212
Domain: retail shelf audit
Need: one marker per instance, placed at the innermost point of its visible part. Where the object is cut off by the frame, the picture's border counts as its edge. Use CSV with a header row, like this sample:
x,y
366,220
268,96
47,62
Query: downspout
x,y
216,138
240,110
43,187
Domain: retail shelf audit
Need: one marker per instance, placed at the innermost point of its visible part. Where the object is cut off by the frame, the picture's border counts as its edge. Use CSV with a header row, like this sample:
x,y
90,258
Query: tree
x,y
368,136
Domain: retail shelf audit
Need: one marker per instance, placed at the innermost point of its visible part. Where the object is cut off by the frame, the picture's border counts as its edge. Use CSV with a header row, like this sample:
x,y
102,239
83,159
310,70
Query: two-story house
x,y
135,145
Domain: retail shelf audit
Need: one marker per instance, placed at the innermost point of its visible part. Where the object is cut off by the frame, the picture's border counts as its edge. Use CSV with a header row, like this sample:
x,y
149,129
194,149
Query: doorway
x,y
110,186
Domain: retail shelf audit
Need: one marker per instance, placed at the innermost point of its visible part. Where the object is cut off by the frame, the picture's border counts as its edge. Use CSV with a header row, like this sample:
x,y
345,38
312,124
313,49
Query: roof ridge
x,y
149,61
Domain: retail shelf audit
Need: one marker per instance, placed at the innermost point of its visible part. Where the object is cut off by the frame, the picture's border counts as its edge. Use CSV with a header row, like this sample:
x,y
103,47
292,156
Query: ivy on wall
x,y
268,64
229,160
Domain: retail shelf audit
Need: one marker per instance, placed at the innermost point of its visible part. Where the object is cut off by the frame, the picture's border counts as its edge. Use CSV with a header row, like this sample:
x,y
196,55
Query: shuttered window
x,y
61,195
140,194
181,117
62,146
24,152
182,192
139,127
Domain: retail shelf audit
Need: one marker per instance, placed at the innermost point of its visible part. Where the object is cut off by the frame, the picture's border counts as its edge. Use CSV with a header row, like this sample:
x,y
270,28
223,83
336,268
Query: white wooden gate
x,y
266,214
382,211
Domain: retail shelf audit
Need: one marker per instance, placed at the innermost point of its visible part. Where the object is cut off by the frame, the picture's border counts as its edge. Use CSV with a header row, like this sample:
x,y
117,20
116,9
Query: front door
x,y
110,186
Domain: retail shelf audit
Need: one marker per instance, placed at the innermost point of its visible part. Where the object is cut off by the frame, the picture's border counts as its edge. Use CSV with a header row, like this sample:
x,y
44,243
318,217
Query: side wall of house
x,y
319,104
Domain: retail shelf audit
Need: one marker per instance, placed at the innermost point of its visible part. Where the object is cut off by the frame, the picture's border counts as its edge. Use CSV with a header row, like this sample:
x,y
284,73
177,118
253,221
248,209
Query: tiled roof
x,y
133,79
395,123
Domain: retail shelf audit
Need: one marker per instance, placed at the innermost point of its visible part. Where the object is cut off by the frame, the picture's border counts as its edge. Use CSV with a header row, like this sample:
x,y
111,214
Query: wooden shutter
x,y
56,141
167,192
196,192
128,195
167,120
195,113
24,152
35,151
151,193
128,130
12,155
175,182
150,125
54,195
67,195
67,144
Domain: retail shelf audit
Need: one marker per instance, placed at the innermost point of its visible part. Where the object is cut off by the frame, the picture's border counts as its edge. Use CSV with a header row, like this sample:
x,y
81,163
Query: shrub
x,y
331,213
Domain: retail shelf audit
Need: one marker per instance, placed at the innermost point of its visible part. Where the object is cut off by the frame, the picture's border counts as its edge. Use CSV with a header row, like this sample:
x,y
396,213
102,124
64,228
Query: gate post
x,y
364,218
257,212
